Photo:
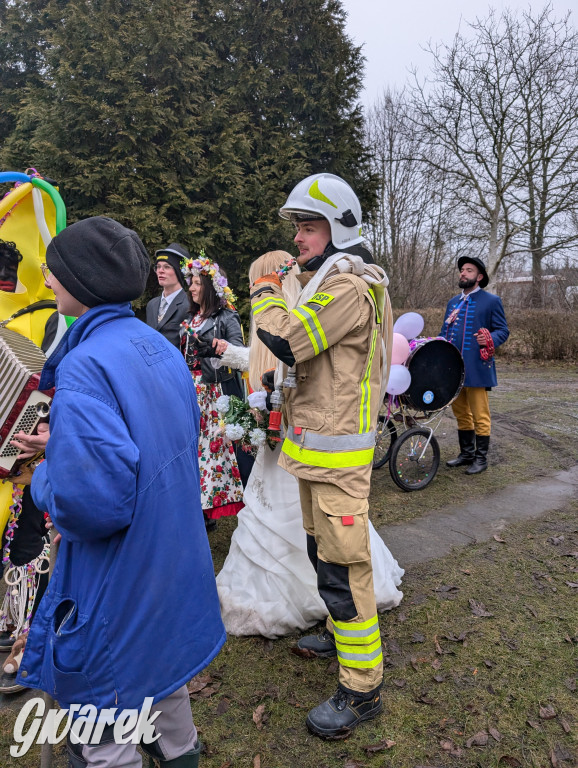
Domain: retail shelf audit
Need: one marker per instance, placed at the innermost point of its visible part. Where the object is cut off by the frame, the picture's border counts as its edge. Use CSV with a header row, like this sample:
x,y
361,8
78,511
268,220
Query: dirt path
x,y
434,535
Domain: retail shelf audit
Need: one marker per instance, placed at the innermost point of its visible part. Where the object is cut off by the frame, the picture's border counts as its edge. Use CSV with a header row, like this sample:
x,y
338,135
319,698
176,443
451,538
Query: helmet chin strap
x,y
317,261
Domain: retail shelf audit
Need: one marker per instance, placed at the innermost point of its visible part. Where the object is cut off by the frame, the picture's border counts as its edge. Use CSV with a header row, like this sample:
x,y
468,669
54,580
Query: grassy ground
x,y
534,426
460,690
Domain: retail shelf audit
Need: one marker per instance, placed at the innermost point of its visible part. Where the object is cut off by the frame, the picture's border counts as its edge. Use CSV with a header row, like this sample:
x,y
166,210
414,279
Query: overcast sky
x,y
393,33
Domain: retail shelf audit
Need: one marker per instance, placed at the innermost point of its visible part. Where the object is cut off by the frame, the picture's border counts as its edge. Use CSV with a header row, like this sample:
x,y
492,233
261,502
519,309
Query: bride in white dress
x,y
267,585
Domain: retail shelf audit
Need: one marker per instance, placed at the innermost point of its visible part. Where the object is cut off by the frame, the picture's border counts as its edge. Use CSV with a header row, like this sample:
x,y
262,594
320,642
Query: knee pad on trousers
x,y
333,585
312,550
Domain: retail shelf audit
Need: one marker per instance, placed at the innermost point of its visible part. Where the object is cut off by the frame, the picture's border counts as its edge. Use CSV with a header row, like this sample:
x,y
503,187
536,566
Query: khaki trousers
x,y
472,410
338,546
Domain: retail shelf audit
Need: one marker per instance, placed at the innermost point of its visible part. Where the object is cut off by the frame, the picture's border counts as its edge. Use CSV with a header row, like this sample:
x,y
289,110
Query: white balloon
x,y
399,380
409,325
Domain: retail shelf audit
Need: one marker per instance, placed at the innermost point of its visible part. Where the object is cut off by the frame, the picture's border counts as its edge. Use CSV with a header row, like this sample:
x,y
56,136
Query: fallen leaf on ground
x,y
222,706
548,712
461,637
436,663
572,584
257,761
439,678
512,762
393,646
449,746
533,724
532,611
399,683
198,683
207,692
565,725
555,540
559,755
417,638
259,717
570,683
305,653
446,745
480,739
495,734
333,667
351,763
489,664
423,698
498,539
379,747
479,609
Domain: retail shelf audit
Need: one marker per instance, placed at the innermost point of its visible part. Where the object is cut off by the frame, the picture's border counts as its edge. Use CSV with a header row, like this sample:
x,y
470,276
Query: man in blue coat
x,y
131,610
476,324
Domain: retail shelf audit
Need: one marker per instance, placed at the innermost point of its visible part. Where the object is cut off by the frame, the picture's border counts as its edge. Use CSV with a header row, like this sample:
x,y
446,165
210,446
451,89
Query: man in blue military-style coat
x,y
476,324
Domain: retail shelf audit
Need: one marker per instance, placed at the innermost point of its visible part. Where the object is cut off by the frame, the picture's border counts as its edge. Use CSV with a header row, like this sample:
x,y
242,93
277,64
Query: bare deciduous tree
x,y
409,231
498,118
545,58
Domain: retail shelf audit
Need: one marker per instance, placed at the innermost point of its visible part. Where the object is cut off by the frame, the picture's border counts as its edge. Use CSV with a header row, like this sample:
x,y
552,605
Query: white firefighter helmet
x,y
327,196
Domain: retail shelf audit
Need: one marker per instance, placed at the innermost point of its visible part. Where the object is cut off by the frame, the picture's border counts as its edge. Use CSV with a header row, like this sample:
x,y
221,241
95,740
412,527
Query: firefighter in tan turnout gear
x,y
332,342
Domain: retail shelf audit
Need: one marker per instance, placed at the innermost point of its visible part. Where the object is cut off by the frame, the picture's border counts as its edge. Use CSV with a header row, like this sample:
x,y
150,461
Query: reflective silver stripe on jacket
x,y
318,442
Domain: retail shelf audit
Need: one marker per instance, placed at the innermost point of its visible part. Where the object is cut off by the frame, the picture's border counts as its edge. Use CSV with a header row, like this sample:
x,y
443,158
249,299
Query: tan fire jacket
x,y
335,338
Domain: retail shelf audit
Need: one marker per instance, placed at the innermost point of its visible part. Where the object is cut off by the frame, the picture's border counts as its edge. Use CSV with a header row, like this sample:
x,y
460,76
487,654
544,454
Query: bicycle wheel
x,y
385,437
408,468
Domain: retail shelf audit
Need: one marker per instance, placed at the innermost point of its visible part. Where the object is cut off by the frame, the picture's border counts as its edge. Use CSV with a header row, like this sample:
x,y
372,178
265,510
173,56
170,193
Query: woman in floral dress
x,y
205,333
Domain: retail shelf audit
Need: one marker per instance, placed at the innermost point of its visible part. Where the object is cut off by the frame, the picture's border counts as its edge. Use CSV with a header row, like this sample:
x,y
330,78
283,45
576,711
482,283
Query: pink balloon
x,y
399,349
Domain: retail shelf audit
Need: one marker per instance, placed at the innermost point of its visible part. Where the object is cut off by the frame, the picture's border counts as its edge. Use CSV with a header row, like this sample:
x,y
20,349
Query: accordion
x,y
22,405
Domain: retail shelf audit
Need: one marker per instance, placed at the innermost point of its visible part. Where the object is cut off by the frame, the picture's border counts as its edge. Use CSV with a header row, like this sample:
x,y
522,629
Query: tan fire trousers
x,y
339,548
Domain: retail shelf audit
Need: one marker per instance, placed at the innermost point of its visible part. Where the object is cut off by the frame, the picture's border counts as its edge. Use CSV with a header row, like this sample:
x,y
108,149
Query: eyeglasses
x,y
45,271
163,268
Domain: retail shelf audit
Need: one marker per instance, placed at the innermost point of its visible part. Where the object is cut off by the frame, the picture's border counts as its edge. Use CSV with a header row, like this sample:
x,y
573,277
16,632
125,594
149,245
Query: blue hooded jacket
x,y
132,609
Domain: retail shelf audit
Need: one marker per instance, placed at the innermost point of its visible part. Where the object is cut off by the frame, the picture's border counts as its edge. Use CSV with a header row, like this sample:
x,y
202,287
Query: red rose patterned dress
x,y
221,487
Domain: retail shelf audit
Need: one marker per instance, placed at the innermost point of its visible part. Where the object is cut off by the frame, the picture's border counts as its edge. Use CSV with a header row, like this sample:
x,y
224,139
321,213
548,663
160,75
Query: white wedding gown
x,y
267,585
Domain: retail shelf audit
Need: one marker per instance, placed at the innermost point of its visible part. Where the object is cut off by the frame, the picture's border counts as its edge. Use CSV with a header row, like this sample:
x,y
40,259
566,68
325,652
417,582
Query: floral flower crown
x,y
204,266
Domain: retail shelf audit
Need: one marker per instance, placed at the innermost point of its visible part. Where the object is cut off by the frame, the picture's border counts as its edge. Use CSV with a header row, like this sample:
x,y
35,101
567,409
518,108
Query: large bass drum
x,y
437,375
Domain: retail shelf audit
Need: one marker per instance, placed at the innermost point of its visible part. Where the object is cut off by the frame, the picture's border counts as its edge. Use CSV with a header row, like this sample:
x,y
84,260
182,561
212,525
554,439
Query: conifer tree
x,y
190,120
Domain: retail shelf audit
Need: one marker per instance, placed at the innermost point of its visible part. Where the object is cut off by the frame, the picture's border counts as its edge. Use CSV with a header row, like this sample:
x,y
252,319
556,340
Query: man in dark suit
x,y
167,311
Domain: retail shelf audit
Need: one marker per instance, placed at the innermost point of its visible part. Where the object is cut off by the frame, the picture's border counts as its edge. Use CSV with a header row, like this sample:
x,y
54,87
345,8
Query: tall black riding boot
x,y
481,459
467,438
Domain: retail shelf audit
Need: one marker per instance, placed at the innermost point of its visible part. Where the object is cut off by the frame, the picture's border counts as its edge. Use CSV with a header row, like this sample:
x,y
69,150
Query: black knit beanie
x,y
99,261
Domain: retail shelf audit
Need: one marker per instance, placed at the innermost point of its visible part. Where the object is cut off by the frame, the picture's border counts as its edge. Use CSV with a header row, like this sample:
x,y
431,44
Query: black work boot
x,y
467,438
188,760
322,645
339,715
481,459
